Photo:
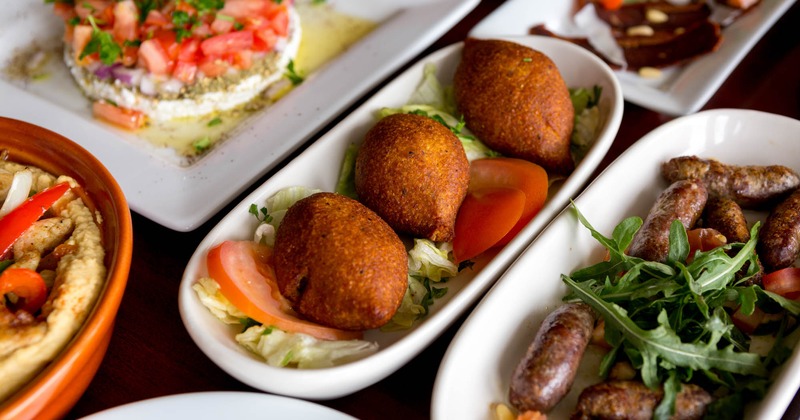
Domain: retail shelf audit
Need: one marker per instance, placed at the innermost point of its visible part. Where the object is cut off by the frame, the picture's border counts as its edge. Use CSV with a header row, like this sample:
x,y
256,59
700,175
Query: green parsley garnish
x,y
292,74
527,59
262,215
102,43
183,23
202,144
215,121
74,21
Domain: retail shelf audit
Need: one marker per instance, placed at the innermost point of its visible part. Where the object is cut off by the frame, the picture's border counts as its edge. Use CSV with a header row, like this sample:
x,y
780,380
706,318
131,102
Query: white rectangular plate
x,y
476,370
319,166
681,89
182,198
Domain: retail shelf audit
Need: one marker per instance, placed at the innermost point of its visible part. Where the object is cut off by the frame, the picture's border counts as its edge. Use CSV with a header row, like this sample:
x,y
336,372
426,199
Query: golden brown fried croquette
x,y
339,263
514,99
413,172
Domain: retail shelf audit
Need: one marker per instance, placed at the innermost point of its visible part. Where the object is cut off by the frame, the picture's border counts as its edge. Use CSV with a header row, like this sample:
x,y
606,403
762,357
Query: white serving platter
x,y
476,369
318,167
182,198
681,89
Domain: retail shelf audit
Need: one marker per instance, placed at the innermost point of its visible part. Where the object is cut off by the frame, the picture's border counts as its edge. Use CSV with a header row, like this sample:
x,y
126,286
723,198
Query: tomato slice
x,y
246,279
13,224
785,282
27,284
485,217
526,176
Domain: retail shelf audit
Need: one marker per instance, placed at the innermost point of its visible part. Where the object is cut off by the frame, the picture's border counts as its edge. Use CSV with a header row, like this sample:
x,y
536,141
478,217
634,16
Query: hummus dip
x,y
29,342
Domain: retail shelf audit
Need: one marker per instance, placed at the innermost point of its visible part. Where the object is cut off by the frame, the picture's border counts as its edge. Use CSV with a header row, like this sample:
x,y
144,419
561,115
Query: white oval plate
x,y
477,366
681,89
182,198
220,405
318,167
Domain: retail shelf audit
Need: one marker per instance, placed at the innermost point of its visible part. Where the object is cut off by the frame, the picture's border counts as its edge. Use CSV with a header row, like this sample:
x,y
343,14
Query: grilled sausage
x,y
779,241
683,200
727,218
749,186
546,373
633,400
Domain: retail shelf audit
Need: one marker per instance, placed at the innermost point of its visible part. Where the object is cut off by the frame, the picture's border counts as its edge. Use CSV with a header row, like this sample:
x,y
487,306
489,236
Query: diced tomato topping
x,y
221,26
243,59
168,41
202,30
189,50
126,21
185,71
88,8
130,55
280,24
64,10
154,57
240,9
213,66
123,117
227,43
785,282
81,35
264,39
156,19
184,6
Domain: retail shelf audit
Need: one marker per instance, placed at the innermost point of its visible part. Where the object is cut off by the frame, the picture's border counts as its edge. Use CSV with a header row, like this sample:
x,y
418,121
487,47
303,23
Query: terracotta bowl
x,y
57,388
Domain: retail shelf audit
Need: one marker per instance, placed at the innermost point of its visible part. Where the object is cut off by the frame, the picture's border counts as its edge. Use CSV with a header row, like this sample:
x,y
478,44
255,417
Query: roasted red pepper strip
x,y
21,218
27,284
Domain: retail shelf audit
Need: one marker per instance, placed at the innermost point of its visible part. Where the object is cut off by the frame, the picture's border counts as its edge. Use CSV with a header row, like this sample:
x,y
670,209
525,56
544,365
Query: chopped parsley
x,y
102,43
262,215
202,144
215,121
292,74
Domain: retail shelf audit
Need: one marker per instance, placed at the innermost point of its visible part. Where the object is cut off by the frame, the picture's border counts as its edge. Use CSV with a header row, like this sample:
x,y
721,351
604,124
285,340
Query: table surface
x,y
152,355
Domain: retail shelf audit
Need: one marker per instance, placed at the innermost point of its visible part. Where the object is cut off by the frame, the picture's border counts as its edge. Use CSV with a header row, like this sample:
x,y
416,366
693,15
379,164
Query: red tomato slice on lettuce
x,y
245,277
492,173
484,218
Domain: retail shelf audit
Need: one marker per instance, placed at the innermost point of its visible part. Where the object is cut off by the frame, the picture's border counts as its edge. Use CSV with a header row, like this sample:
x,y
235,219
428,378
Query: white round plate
x,y
220,405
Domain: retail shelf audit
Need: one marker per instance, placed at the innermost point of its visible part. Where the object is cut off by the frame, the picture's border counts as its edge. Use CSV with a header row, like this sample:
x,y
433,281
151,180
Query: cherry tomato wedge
x,y
13,224
27,284
246,279
704,239
484,218
785,282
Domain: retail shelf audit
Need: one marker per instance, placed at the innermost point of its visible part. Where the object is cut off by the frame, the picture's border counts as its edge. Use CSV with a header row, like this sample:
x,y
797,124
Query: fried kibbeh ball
x,y
339,264
514,99
413,171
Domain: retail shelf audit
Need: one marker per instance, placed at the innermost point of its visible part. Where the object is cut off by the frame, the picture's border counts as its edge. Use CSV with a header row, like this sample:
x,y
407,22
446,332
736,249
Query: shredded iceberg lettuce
x,y
431,92
207,290
587,119
280,349
275,210
427,260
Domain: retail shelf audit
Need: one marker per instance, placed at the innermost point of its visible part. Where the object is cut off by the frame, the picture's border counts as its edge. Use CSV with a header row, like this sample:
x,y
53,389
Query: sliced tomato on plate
x,y
484,218
242,270
491,173
123,117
